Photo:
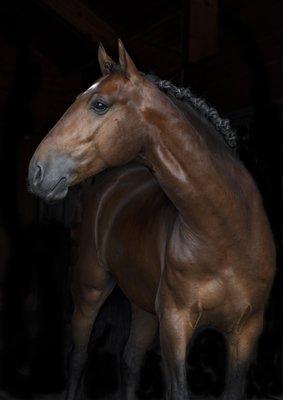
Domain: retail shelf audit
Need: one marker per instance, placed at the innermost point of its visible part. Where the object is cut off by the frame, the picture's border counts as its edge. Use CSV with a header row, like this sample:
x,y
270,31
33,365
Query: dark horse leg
x,y
175,334
241,346
142,333
91,287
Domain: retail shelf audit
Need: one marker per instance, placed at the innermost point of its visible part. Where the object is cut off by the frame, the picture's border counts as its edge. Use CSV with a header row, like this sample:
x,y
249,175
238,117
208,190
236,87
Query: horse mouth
x,y
58,192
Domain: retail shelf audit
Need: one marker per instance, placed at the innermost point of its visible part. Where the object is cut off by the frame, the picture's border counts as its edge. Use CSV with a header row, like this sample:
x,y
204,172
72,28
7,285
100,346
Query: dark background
x,y
230,52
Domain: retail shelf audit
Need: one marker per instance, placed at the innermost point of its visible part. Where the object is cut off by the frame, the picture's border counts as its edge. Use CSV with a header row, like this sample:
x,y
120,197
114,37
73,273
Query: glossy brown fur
x,y
174,219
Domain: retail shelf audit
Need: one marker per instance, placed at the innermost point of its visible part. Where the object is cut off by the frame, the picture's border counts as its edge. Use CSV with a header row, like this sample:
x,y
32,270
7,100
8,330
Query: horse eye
x,y
99,106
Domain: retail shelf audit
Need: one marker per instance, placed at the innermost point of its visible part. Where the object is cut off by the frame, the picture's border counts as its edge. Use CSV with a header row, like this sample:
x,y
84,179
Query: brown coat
x,y
180,227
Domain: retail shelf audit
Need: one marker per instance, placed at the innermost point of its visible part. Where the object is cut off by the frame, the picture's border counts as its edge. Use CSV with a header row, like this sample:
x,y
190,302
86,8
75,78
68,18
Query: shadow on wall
x,y
33,322
259,149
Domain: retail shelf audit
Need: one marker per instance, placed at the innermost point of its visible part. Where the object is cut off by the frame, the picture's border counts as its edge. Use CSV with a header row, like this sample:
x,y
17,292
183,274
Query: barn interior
x,y
227,51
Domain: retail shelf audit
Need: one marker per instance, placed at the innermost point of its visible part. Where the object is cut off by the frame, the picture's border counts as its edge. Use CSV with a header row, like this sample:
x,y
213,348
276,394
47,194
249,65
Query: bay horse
x,y
175,220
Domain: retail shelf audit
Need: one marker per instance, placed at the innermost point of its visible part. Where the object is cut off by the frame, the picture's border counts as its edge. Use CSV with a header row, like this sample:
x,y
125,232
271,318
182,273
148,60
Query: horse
x,y
176,221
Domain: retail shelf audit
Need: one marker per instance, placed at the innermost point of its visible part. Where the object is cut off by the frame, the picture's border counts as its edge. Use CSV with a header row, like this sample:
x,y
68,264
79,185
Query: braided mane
x,y
221,125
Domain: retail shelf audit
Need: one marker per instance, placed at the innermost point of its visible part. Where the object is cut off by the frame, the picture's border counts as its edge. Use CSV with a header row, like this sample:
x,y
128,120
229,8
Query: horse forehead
x,y
112,84
94,86
107,84
114,87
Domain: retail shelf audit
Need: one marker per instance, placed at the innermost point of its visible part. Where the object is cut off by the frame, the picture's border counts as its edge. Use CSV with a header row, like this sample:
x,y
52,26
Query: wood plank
x,y
203,29
83,20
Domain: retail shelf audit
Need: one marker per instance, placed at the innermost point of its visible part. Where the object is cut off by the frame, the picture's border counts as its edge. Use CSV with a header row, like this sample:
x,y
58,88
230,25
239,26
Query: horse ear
x,y
104,60
126,63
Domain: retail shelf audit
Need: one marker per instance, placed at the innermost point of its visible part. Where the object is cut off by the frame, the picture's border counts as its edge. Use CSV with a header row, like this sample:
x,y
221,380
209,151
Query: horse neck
x,y
193,178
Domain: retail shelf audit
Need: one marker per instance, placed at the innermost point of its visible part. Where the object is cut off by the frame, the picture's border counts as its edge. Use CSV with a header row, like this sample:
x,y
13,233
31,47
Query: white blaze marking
x,y
94,86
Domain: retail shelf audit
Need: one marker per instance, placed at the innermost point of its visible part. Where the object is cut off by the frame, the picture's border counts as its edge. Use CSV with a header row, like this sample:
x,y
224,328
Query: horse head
x,y
102,128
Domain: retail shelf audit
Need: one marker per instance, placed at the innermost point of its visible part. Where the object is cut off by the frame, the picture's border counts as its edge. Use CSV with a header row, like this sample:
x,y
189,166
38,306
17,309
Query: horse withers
x,y
175,220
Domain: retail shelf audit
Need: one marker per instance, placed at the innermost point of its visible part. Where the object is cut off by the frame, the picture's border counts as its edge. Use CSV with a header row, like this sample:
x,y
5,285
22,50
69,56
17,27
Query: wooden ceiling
x,y
68,32
213,41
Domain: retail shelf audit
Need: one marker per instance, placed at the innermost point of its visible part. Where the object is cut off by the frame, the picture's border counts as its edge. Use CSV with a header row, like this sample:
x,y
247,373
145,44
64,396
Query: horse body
x,y
182,230
219,284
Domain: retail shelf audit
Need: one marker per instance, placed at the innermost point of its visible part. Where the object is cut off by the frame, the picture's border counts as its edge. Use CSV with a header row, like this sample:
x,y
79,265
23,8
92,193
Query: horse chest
x,y
131,226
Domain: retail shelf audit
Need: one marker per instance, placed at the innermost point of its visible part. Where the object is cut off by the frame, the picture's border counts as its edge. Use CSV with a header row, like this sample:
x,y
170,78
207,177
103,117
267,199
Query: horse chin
x,y
58,192
54,197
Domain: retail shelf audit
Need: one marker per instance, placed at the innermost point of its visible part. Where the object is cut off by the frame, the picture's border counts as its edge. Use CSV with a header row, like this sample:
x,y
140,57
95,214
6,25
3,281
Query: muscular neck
x,y
186,169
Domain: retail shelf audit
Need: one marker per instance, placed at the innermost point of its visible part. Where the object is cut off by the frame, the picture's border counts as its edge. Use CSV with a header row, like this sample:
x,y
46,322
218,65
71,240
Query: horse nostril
x,y
38,176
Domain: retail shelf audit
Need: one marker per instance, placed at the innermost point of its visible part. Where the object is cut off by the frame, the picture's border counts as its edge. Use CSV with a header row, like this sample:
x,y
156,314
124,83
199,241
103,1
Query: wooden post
x,y
202,25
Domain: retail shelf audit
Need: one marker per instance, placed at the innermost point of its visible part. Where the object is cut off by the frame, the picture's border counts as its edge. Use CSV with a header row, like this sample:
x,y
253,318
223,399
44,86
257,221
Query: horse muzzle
x,y
49,178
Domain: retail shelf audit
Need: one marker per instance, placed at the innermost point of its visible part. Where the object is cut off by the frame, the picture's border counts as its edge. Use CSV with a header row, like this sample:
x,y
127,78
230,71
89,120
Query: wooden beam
x,y
203,29
84,21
